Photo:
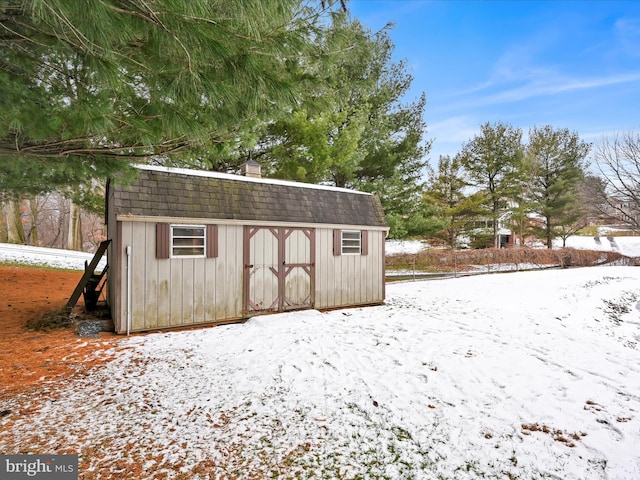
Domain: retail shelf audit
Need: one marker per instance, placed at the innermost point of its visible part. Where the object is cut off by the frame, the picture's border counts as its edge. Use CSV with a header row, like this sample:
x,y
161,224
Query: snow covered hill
x,y
629,246
522,375
40,256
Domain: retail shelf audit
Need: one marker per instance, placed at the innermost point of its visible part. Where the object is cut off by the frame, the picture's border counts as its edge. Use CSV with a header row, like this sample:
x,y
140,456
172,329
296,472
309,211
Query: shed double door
x,y
279,269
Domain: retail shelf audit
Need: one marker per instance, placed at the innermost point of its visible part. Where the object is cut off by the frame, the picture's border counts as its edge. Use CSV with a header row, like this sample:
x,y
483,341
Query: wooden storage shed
x,y
190,247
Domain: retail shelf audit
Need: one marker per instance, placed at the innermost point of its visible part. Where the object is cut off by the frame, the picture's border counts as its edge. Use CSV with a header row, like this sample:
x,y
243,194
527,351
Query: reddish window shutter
x,y
364,242
162,240
212,241
337,242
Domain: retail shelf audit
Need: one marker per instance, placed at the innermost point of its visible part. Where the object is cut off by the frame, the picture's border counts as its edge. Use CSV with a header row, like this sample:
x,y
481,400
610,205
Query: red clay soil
x,y
29,358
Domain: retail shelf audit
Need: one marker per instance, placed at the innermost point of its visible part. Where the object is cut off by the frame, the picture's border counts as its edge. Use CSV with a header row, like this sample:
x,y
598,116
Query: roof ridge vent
x,y
251,168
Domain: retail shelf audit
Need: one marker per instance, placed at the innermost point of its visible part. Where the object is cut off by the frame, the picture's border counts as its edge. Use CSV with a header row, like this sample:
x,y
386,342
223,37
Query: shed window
x,y
351,242
188,240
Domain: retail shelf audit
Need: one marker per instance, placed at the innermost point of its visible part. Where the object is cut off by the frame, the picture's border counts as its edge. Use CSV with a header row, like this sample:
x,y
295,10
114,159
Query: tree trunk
x,y
340,180
32,202
4,237
521,228
15,229
495,209
549,237
74,240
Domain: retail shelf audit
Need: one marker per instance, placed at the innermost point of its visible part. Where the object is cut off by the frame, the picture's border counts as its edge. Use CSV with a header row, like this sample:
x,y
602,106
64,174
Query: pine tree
x,y
492,160
88,87
522,204
447,189
352,130
559,159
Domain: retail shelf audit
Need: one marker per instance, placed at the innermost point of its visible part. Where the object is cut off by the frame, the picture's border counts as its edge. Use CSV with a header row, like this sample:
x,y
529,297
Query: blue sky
x,y
569,64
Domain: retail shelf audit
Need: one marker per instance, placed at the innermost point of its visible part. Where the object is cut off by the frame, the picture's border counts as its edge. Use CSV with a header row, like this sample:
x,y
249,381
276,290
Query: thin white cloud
x,y
628,26
517,74
477,88
628,35
518,62
549,87
449,135
454,129
596,136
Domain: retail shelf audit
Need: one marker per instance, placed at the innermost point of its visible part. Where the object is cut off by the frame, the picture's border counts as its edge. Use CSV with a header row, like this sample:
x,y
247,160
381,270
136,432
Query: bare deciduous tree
x,y
618,161
50,220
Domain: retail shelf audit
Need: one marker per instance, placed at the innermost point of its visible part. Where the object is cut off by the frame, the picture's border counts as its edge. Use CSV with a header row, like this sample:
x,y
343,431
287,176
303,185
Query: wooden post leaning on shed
x,y
89,274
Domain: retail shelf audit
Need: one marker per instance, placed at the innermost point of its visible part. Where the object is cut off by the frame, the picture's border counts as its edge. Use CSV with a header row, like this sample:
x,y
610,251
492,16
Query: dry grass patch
x,y
436,260
562,436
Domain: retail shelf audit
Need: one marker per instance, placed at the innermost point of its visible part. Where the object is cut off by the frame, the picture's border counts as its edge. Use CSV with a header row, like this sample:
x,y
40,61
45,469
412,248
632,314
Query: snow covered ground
x,y
629,246
523,375
394,247
51,257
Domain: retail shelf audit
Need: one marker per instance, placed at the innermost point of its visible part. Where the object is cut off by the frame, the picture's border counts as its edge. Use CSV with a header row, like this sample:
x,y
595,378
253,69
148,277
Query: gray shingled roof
x,y
157,193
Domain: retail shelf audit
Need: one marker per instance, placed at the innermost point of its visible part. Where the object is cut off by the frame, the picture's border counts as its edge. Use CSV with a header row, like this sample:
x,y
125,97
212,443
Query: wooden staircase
x,y
91,284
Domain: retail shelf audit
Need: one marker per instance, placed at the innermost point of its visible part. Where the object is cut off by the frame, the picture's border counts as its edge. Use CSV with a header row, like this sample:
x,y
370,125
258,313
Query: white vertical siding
x,y
188,292
163,280
345,280
151,296
175,290
182,292
199,292
138,276
178,292
221,294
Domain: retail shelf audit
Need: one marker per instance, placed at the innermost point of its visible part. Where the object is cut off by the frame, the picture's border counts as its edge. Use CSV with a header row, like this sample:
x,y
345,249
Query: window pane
x,y
187,240
182,251
347,235
188,232
181,241
351,242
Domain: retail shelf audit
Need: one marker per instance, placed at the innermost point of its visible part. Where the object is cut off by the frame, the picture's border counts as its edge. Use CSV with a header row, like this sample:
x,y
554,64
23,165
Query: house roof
x,y
170,192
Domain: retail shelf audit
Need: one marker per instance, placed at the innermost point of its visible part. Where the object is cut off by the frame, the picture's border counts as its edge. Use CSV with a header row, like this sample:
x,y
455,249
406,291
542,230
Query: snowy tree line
x,y
552,185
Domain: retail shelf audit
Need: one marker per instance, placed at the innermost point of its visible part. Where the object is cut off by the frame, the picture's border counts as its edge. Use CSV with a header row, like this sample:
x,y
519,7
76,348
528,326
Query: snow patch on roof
x,y
240,178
